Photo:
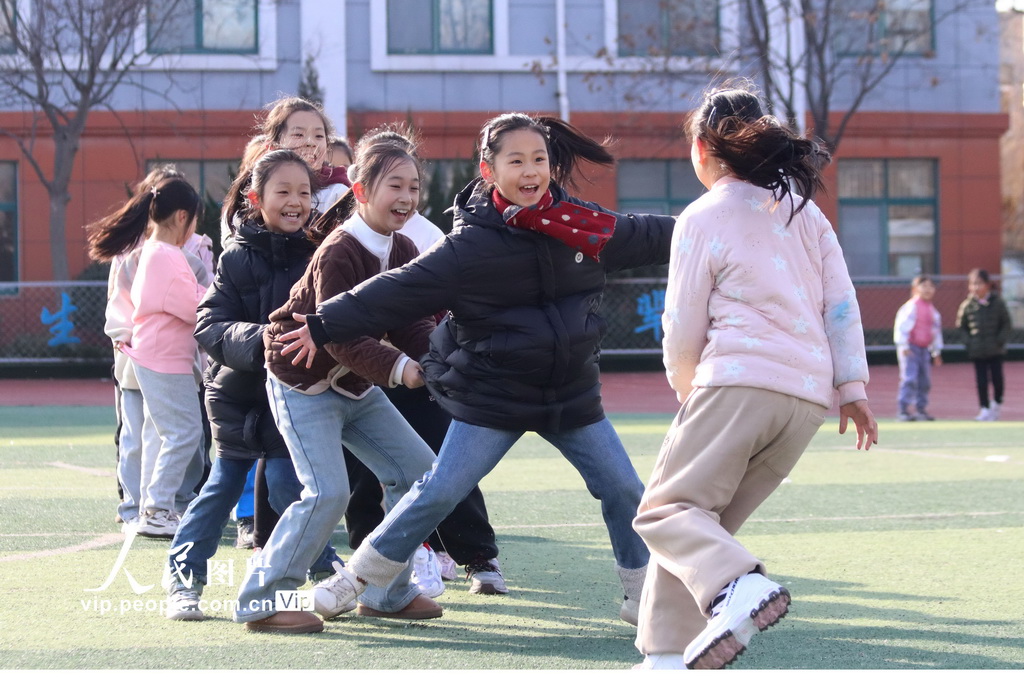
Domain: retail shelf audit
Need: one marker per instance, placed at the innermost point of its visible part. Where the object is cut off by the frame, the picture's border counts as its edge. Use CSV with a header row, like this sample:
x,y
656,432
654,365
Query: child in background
x,y
268,253
761,327
523,274
128,404
918,336
164,295
333,403
985,321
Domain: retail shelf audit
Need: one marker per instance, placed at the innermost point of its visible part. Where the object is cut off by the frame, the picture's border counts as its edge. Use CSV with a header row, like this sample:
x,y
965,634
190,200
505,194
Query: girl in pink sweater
x,y
762,327
164,297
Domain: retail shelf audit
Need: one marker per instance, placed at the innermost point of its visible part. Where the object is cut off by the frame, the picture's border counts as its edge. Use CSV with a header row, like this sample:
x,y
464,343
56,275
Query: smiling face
x,y
388,204
285,201
304,133
520,169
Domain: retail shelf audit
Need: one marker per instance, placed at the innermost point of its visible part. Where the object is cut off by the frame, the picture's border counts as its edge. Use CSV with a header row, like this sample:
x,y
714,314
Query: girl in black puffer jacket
x,y
523,274
268,253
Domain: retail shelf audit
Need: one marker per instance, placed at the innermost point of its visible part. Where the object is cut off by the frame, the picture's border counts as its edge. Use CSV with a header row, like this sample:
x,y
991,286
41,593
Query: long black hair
x,y
758,148
156,198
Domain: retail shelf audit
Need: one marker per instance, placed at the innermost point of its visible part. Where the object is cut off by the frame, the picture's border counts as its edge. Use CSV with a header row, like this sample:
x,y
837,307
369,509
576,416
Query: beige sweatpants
x,y
726,451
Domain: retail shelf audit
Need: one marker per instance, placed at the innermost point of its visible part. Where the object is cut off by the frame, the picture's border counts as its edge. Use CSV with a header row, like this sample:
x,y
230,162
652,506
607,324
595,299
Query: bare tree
x,y
806,50
59,61
812,57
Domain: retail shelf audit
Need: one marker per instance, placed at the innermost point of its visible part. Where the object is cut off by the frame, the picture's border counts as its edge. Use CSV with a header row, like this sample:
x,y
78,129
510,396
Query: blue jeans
x,y
200,529
470,452
915,378
315,427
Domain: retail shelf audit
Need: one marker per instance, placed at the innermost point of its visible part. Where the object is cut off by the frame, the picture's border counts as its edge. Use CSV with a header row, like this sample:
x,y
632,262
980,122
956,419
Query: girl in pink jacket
x,y
762,327
164,297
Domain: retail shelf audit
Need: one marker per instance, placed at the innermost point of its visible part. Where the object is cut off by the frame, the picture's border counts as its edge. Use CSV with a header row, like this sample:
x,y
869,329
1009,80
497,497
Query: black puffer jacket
x,y
254,275
520,348
986,327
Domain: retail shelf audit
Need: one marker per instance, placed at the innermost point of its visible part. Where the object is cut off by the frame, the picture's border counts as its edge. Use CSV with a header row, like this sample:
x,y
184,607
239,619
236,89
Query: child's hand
x,y
412,375
867,427
301,343
937,360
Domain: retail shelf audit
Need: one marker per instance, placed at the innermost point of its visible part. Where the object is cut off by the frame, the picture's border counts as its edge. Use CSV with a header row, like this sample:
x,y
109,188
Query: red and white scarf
x,y
578,227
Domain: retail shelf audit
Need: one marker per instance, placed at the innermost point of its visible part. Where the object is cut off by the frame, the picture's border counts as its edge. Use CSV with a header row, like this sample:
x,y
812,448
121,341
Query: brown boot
x,y
287,622
420,608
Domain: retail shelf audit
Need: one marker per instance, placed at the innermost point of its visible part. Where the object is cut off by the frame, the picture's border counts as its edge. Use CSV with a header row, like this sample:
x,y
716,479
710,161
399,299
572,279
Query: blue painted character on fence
x,y
649,307
62,325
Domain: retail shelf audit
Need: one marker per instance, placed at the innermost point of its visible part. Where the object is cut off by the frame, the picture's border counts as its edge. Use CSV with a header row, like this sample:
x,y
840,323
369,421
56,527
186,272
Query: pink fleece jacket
x,y
755,302
165,295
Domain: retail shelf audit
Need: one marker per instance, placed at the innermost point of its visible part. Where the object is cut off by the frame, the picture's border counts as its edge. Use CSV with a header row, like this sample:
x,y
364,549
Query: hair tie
x,y
154,191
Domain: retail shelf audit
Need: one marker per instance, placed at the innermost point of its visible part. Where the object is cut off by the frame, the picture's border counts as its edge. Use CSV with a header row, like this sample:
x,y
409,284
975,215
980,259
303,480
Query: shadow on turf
x,y
810,637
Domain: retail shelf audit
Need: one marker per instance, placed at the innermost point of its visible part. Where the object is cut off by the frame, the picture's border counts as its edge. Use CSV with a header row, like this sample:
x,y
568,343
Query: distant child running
x,y
164,296
985,321
335,402
761,327
918,336
523,274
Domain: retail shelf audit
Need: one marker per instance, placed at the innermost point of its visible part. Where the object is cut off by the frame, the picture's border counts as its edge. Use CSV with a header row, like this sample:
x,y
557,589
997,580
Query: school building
x,y
915,185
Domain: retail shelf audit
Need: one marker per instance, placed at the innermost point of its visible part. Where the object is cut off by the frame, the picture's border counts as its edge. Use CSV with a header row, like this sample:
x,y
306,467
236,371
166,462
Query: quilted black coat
x,y
254,275
520,347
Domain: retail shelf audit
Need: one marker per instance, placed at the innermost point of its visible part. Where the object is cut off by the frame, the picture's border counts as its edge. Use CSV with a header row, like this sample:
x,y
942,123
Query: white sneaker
x,y
159,524
984,416
337,595
449,569
630,611
994,409
486,577
661,662
183,604
750,604
426,573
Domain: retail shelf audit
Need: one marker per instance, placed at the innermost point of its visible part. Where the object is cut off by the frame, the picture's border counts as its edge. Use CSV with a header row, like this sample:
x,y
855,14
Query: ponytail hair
x,y
156,198
758,148
566,145
377,152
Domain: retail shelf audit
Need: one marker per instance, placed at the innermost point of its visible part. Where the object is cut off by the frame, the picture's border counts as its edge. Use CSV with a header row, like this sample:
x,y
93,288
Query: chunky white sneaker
x,y
661,662
183,604
486,577
337,595
994,409
158,524
984,416
749,604
426,574
449,569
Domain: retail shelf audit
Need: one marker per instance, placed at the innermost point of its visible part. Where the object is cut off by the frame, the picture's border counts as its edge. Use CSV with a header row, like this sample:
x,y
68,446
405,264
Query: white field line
x,y
808,519
95,543
83,470
118,538
936,455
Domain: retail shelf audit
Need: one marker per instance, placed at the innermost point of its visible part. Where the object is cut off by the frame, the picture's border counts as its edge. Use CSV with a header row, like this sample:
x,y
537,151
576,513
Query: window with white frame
x,y
668,28
8,221
203,26
210,177
876,27
440,27
888,216
661,187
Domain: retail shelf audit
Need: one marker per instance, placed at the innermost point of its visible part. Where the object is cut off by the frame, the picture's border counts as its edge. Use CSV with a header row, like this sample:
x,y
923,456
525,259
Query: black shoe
x,y
924,416
245,530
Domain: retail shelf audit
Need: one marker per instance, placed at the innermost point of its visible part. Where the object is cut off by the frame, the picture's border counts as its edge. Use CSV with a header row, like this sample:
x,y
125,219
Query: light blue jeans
x,y
315,427
915,378
469,453
200,531
171,437
129,459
